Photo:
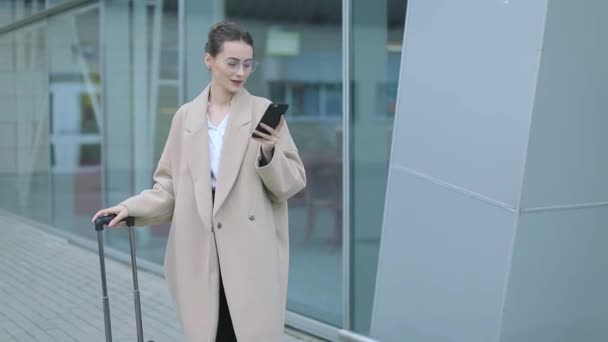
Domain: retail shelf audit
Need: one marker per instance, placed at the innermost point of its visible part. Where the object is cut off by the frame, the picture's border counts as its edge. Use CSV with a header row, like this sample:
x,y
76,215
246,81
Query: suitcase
x,y
100,222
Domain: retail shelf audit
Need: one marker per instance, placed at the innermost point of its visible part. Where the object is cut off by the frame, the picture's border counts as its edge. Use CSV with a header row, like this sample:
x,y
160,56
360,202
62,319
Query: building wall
x,y
559,268
496,208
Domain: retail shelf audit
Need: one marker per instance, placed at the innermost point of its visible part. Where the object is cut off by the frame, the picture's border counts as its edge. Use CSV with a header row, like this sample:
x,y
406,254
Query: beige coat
x,y
249,221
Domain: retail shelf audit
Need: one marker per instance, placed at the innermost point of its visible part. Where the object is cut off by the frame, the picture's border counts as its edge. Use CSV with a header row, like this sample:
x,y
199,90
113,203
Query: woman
x,y
225,194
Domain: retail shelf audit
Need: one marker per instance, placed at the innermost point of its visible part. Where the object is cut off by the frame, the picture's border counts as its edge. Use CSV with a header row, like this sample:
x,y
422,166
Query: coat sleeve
x,y
284,175
155,205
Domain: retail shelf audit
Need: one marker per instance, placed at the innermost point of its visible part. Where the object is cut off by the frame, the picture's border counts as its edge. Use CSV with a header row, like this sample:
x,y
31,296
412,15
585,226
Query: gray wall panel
x,y
466,92
567,161
444,261
558,281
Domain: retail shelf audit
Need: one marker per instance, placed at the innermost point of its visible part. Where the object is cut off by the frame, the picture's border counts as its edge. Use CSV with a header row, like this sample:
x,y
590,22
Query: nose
x,y
240,71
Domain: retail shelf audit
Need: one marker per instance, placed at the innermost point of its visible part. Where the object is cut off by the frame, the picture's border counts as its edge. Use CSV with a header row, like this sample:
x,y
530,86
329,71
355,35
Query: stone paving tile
x,y
50,291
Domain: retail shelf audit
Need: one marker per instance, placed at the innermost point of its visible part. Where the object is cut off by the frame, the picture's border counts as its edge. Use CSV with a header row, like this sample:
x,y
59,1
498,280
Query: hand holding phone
x,y
269,128
272,117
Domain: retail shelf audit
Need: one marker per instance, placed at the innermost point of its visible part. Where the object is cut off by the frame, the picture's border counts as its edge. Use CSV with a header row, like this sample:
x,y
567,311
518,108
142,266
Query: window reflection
x,y
377,32
301,64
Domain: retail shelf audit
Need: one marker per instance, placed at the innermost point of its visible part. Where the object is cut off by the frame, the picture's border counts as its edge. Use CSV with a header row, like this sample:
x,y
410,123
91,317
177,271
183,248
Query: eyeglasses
x,y
235,65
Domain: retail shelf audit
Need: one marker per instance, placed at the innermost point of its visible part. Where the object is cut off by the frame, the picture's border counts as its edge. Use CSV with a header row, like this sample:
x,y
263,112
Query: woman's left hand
x,y
269,140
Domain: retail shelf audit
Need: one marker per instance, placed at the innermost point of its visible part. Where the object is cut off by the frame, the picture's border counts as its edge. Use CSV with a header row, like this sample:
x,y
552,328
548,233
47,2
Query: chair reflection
x,y
324,189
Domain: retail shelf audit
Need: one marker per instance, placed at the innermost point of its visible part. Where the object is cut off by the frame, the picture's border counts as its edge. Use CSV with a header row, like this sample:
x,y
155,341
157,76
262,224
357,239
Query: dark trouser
x,y
225,330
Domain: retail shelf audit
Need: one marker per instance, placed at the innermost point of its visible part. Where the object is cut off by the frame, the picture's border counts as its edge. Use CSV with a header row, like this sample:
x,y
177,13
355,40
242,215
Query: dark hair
x,y
225,31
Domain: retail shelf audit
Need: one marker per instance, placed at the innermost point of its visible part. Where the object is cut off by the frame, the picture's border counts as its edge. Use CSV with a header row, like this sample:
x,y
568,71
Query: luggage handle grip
x,y
102,221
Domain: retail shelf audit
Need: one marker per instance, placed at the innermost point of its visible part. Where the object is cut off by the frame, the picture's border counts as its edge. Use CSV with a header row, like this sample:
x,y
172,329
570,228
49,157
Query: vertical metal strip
x,y
103,89
181,34
346,117
50,174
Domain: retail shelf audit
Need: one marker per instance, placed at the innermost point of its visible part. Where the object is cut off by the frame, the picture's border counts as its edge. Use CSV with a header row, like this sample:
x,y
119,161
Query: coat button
x,y
251,218
219,225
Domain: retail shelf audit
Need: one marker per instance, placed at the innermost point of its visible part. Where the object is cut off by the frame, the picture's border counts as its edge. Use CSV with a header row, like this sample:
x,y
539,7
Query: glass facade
x,y
89,94
74,81
376,39
302,66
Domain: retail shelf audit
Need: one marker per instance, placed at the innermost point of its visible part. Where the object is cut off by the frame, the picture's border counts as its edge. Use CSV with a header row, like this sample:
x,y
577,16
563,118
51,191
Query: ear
x,y
208,60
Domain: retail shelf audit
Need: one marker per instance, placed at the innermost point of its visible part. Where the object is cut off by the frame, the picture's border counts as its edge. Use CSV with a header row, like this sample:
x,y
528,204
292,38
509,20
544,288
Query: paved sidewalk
x,y
50,291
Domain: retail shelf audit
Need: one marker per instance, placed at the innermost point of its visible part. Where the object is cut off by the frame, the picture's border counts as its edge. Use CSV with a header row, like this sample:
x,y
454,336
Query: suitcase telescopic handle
x,y
102,221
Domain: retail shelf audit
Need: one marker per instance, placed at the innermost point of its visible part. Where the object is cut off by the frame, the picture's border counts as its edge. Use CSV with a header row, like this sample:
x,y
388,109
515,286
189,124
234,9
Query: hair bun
x,y
225,31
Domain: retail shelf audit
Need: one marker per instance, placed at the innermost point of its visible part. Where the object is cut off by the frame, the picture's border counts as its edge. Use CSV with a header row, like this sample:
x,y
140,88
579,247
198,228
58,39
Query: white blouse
x,y
216,139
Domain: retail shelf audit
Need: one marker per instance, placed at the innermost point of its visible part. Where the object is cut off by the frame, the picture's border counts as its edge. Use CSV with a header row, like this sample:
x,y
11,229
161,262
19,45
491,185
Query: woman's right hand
x,y
119,210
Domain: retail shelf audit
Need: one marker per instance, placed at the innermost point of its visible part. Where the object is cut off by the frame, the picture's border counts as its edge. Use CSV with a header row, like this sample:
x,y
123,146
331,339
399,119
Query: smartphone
x,y
272,116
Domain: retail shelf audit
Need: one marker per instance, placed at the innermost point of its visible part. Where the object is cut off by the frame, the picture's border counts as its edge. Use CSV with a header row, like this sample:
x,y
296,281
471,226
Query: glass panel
x,y
15,10
75,114
140,105
301,64
377,33
24,124
51,133
168,101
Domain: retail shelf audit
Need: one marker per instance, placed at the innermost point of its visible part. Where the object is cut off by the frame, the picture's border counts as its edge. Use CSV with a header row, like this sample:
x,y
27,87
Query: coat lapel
x,y
236,140
197,153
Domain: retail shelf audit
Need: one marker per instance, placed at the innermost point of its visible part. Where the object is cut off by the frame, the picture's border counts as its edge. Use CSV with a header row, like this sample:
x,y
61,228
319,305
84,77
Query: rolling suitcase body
x,y
100,223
